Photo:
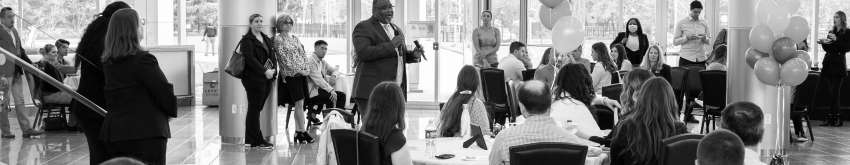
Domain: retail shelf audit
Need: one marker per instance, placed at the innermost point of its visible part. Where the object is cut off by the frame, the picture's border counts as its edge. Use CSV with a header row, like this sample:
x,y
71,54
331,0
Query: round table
x,y
473,155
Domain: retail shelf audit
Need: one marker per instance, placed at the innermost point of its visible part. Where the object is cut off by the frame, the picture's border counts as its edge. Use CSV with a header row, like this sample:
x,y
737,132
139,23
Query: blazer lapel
x,y
380,30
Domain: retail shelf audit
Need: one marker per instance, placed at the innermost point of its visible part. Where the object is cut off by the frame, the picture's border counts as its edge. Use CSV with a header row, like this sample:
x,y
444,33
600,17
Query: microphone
x,y
419,46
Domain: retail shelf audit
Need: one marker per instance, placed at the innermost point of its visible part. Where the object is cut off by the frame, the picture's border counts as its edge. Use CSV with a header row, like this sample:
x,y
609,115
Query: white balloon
x,y
798,29
545,15
792,6
771,13
560,11
567,34
551,3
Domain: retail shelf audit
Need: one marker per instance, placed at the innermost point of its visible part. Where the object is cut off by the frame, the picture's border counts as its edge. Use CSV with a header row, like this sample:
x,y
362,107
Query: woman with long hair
x,y
545,72
602,72
634,40
485,40
631,84
637,139
573,97
618,53
467,93
139,98
259,74
718,59
91,81
385,119
293,86
834,65
654,62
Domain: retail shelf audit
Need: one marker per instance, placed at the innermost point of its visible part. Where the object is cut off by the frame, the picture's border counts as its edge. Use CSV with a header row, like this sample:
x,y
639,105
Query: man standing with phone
x,y
691,34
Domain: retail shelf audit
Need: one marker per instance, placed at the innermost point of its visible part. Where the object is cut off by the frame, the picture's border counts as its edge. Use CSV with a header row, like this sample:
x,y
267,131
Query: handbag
x,y
236,65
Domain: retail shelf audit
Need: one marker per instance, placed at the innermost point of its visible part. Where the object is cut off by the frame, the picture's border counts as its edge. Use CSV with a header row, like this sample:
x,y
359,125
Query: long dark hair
x,y
467,86
386,110
631,84
621,54
603,57
91,44
843,20
639,29
573,81
547,55
651,120
122,35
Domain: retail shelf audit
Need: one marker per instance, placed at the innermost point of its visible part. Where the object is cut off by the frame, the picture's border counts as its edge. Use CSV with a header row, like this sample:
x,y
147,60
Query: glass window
x,y
506,18
644,11
322,20
43,22
677,11
827,11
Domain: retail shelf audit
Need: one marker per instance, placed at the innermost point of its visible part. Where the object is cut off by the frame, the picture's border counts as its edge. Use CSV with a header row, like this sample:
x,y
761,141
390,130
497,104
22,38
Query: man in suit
x,y
381,53
10,41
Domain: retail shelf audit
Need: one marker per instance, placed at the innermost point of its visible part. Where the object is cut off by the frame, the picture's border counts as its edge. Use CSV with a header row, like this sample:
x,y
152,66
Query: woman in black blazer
x,y
139,98
257,78
836,45
91,81
634,40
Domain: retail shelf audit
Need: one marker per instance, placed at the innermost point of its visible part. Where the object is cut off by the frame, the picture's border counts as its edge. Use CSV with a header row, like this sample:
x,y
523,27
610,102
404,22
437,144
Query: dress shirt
x,y
536,128
600,77
388,28
572,109
512,67
318,80
751,157
692,50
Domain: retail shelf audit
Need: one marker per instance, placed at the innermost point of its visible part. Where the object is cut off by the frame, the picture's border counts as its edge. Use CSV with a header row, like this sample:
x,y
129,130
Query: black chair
x,y
681,149
513,100
803,97
354,147
677,81
615,77
45,109
495,94
548,153
612,91
528,74
714,97
693,84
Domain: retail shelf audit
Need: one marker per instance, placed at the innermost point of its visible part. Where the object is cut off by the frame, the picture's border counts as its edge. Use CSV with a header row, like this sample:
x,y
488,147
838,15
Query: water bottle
x,y
430,135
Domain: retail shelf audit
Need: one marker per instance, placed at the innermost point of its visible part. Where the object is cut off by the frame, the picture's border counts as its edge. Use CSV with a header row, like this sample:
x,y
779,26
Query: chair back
x,y
513,101
677,78
548,153
693,84
845,90
612,91
615,77
356,146
714,87
528,74
681,149
493,80
805,92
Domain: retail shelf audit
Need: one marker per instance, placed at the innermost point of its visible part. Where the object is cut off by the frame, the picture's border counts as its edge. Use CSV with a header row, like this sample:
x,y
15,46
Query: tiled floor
x,y
195,140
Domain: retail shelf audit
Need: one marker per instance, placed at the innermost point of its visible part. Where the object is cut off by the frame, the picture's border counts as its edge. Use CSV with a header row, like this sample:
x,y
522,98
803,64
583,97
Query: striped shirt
x,y
536,128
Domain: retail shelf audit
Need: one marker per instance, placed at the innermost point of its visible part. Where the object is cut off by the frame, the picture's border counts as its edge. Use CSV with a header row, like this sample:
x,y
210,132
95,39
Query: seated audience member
x,y
546,70
618,53
573,94
718,61
385,119
514,64
745,119
654,62
122,161
320,78
575,57
538,126
631,84
720,147
62,47
637,139
601,73
48,65
467,94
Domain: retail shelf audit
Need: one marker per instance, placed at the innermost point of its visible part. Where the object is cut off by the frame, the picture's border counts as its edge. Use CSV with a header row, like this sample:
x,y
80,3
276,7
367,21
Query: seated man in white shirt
x,y
537,127
720,147
321,84
516,62
746,120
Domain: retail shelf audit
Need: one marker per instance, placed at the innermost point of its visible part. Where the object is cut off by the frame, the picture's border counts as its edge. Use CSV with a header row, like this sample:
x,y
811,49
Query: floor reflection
x,y
195,140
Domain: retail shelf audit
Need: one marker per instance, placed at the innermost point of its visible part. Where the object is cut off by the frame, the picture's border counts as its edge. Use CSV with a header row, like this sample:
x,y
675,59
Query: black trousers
x,y
257,95
690,95
324,100
833,89
149,151
90,125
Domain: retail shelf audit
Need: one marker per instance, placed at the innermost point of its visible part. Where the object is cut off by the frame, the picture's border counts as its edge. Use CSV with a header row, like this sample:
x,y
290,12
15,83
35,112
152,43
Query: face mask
x,y
633,28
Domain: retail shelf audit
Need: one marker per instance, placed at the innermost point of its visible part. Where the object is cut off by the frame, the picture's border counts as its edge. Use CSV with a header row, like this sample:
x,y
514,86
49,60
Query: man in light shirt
x,y
746,120
513,64
692,36
321,84
537,127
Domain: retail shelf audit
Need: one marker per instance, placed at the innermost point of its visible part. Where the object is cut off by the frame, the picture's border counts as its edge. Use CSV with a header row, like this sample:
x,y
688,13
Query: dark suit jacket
x,y
635,56
139,99
256,54
376,59
834,62
6,42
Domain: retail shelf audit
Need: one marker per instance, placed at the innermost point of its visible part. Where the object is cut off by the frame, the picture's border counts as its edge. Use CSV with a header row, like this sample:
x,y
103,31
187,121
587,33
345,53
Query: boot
x,y
829,120
838,121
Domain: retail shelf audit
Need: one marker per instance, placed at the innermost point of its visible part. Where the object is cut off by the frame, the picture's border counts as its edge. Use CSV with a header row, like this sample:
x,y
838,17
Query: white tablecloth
x,y
463,156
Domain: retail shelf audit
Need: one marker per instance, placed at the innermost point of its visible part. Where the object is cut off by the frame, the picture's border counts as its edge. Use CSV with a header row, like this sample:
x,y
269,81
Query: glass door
x,y
420,20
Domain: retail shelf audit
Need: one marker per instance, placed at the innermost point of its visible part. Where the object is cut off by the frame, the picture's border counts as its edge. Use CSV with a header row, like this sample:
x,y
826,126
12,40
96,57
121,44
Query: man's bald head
x,y
535,96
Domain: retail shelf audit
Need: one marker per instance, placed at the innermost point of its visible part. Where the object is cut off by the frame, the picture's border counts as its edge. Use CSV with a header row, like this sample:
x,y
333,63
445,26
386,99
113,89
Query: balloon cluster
x,y
567,30
773,54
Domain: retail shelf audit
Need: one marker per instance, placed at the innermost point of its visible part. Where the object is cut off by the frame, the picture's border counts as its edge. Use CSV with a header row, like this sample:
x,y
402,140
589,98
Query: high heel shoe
x,y
303,137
